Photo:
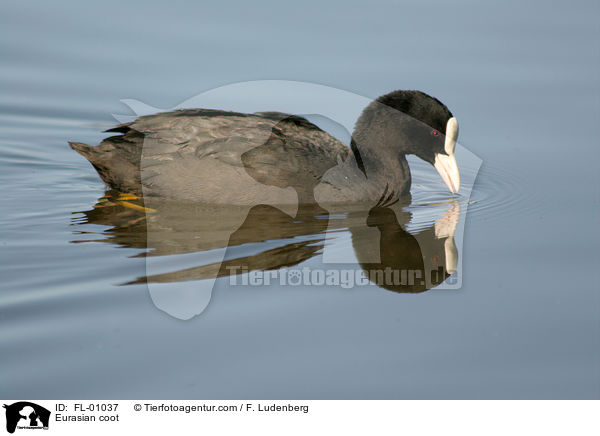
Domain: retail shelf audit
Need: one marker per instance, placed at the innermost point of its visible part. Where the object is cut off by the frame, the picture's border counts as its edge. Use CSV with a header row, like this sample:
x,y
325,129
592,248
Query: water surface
x,y
522,81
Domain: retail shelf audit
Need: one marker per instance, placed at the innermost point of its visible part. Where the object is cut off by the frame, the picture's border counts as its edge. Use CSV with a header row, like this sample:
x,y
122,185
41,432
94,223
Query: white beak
x,y
446,164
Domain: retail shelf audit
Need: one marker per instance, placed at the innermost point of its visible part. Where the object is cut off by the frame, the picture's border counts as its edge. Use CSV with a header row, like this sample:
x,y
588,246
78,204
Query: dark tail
x,y
85,150
115,167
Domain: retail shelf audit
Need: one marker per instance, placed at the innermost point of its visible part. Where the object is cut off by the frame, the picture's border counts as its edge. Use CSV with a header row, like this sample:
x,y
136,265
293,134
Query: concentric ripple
x,y
495,193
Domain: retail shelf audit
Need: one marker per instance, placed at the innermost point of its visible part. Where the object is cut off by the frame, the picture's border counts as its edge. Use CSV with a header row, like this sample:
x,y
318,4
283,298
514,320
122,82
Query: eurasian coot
x,y
224,157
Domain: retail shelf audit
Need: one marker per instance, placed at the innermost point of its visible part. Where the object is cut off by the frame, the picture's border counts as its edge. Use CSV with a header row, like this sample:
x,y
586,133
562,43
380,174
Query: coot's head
x,y
412,122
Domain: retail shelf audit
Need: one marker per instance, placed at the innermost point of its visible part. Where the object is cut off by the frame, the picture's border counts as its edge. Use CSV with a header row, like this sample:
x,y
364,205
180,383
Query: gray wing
x,y
228,157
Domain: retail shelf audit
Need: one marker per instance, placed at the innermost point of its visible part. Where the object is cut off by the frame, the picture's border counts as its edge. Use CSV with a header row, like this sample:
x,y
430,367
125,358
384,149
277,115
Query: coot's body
x,y
222,157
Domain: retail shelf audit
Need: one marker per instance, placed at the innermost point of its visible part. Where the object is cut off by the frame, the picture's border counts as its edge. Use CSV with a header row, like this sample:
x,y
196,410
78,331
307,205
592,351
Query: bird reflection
x,y
268,238
408,262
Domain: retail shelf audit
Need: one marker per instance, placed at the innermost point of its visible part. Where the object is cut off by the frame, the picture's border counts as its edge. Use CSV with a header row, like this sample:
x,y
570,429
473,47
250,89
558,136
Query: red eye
x,y
435,133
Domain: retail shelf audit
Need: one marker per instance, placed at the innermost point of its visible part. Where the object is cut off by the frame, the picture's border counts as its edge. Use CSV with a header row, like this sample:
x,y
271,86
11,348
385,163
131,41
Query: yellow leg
x,y
135,206
123,196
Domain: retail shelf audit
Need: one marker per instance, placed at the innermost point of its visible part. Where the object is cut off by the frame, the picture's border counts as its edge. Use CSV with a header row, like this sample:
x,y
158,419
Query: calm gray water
x,y
521,78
